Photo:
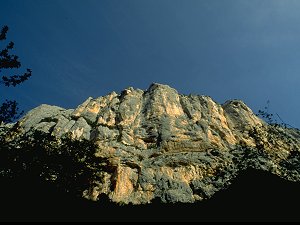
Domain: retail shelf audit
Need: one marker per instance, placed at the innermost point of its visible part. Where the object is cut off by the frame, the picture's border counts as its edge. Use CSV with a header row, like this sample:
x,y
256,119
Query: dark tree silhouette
x,y
9,108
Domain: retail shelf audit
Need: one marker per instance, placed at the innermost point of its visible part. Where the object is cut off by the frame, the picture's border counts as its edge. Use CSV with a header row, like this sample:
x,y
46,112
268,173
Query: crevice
x,y
49,119
184,108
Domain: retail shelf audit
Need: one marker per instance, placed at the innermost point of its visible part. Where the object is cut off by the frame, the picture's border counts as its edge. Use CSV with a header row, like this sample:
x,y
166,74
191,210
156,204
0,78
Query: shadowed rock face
x,y
161,144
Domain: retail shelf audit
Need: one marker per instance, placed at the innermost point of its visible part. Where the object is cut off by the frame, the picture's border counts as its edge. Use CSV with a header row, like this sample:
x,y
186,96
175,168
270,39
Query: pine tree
x,y
9,110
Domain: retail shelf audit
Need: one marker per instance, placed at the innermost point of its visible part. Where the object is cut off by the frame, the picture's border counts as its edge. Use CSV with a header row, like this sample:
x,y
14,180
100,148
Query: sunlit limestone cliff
x,y
156,144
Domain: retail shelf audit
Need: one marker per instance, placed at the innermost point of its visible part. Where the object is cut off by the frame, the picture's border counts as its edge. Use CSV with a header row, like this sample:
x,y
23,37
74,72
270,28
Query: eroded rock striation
x,y
161,144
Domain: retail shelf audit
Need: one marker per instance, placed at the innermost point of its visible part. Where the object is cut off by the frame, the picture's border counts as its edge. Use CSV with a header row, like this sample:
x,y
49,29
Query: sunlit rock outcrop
x,y
161,144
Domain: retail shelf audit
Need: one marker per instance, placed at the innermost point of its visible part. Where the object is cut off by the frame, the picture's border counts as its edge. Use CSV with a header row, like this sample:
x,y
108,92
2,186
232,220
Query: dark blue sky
x,y
227,49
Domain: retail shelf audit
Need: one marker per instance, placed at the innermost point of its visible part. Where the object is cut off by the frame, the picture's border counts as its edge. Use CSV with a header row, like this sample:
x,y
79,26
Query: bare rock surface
x,y
158,143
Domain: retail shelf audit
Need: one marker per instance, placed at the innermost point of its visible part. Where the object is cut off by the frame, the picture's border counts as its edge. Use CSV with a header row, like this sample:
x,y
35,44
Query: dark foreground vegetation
x,y
253,196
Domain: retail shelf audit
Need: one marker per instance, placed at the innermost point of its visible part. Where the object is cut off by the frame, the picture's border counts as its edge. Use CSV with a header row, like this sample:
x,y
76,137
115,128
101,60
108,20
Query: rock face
x,y
160,144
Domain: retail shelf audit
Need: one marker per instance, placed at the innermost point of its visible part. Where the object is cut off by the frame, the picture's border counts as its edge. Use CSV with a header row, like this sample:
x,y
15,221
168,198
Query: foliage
x,y
70,164
269,117
8,109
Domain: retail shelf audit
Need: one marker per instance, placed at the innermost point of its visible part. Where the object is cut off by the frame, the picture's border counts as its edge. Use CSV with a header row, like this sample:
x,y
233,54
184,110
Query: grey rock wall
x,y
162,144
